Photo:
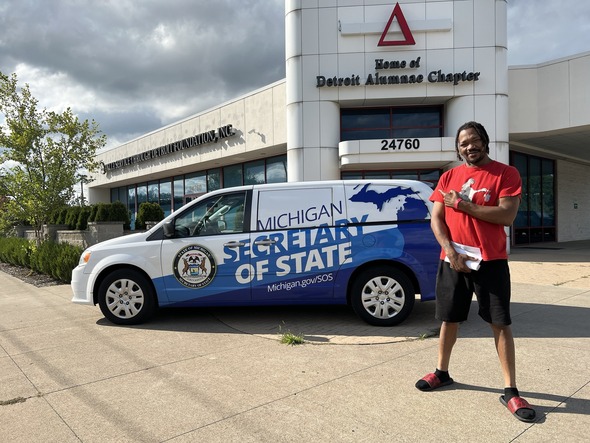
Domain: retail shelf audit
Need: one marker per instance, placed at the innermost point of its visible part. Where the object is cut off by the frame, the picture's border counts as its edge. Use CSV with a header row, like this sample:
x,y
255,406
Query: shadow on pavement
x,y
565,405
531,320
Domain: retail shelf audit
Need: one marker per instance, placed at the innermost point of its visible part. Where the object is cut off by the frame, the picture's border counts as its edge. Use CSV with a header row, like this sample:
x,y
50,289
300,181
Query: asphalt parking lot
x,y
67,375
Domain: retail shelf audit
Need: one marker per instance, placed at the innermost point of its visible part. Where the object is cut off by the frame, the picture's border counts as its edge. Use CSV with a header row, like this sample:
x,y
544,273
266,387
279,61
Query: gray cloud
x,y
166,59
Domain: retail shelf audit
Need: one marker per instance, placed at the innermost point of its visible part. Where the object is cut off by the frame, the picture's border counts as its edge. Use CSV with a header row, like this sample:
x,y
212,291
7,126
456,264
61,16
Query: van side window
x,y
220,214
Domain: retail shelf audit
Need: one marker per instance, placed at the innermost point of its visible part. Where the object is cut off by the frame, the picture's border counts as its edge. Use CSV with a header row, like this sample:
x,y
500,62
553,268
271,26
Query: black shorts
x,y
491,284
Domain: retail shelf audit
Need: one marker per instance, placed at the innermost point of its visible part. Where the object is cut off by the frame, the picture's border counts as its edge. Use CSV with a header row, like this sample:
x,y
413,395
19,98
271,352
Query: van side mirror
x,y
168,229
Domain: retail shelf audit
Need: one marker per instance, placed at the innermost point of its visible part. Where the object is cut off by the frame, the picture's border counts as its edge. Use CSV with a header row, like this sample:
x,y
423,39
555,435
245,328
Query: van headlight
x,y
84,258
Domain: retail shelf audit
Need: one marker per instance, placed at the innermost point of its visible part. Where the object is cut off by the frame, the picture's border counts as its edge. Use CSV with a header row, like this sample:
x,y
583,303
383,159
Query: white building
x,y
377,89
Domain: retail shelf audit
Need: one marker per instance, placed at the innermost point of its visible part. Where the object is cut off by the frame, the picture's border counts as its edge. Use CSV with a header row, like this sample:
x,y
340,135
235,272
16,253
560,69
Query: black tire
x,y
126,297
382,296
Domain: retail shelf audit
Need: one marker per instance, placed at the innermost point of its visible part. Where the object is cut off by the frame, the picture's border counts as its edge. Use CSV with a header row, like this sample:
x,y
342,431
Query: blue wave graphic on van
x,y
410,207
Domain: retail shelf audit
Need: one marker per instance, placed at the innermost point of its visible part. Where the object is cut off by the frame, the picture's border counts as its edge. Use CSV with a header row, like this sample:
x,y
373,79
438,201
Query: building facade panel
x,y
523,87
554,110
573,201
579,91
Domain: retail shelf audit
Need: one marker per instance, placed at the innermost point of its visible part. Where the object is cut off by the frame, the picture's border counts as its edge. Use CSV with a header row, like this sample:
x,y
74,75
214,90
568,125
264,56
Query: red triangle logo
x,y
403,24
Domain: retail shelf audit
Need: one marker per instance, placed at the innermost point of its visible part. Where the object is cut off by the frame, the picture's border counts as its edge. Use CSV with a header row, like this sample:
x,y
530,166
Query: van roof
x,y
325,183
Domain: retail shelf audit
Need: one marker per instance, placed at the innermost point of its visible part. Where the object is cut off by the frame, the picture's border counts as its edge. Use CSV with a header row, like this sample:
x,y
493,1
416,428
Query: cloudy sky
x,y
137,65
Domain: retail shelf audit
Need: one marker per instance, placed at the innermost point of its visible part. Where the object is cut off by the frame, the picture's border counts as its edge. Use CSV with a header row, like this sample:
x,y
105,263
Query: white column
x,y
294,105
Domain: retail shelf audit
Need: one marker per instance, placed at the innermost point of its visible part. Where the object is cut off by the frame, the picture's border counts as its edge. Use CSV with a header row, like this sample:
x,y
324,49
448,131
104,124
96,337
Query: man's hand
x,y
503,213
450,198
458,262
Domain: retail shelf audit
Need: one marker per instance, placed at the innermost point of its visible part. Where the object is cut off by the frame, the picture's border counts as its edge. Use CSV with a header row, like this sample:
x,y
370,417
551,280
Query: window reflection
x,y
535,221
171,193
221,214
391,122
254,173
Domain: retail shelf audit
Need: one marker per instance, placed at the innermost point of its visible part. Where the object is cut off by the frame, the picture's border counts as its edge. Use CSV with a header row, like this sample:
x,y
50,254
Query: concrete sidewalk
x,y
66,374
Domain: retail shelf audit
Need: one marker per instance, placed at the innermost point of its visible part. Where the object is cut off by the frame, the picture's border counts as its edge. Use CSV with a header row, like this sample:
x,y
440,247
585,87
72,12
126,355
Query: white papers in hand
x,y
470,251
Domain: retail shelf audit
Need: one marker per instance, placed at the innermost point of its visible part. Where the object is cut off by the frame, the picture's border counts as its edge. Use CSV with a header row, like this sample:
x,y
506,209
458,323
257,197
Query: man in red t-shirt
x,y
472,204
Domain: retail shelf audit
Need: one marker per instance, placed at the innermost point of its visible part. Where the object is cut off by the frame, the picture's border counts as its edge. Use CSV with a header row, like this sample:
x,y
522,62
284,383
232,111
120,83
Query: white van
x,y
363,243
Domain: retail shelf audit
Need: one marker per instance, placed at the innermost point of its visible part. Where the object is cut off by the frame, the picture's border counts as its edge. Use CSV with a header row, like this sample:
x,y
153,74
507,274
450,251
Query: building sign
x,y
386,70
212,136
407,28
382,76
403,24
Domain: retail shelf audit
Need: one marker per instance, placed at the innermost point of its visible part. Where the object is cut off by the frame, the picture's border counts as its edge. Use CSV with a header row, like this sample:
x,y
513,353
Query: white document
x,y
471,251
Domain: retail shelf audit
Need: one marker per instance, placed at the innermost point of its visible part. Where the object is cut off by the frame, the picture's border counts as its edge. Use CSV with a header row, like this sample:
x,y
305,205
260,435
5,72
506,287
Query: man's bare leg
x,y
440,377
505,348
446,341
506,353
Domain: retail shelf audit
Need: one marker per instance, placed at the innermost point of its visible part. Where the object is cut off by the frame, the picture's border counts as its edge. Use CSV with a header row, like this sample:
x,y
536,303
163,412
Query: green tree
x,y
42,152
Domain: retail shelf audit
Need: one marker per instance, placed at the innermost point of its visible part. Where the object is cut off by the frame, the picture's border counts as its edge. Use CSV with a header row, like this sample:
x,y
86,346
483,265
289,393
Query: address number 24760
x,y
397,144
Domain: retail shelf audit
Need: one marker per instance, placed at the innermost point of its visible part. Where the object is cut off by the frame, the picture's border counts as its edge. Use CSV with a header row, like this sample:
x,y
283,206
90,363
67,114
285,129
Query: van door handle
x,y
234,244
265,242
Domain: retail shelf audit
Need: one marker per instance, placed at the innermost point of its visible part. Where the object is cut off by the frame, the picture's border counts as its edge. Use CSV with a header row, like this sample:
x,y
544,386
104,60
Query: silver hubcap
x,y
124,298
383,297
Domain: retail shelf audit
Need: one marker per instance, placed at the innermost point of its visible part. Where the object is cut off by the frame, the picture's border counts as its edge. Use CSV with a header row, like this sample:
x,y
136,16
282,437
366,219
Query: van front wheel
x,y
126,297
382,296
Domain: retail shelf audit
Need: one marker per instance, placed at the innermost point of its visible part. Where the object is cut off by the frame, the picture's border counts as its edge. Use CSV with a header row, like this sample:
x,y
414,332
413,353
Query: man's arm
x,y
503,214
441,231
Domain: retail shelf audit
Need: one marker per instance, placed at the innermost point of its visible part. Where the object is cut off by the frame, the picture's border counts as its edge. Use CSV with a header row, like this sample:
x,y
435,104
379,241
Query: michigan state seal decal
x,y
194,266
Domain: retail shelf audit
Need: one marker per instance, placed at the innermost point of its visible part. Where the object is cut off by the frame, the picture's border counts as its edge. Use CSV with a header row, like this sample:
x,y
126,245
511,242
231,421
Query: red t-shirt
x,y
482,185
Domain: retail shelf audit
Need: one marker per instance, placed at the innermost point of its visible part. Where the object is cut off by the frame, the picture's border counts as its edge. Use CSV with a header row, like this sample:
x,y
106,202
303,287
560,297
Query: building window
x,y
141,194
131,204
153,192
254,172
276,170
535,221
213,179
166,196
195,183
232,176
172,193
178,192
391,122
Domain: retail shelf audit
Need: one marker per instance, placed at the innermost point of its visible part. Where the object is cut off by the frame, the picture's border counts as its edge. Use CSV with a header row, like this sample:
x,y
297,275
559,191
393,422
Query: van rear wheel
x,y
382,296
126,297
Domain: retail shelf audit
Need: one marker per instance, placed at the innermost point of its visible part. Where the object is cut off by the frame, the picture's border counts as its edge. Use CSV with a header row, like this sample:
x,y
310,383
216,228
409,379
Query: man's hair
x,y
479,129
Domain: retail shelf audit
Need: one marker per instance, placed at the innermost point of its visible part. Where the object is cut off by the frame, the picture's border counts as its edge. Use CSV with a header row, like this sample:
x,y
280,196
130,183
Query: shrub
x,y
61,217
53,217
54,259
82,222
44,258
72,216
16,251
148,212
120,213
67,259
103,212
93,210
58,215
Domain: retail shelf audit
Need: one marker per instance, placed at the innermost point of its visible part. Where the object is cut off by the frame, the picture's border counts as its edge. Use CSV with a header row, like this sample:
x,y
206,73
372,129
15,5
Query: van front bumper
x,y
80,286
